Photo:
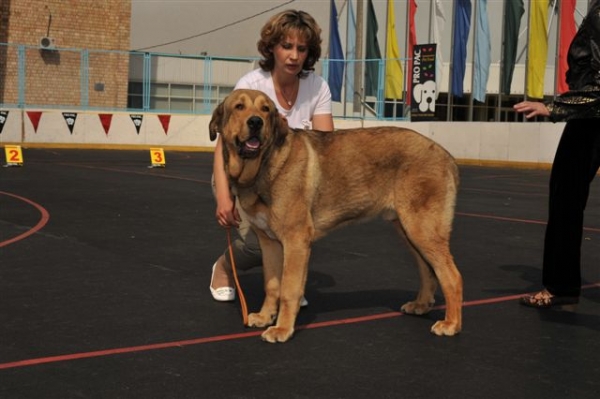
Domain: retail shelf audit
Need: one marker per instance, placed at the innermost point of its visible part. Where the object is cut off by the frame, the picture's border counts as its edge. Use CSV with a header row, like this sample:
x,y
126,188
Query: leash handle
x,y
237,282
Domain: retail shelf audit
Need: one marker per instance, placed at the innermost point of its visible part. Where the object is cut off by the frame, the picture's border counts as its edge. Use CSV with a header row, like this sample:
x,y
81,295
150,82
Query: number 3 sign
x,y
157,157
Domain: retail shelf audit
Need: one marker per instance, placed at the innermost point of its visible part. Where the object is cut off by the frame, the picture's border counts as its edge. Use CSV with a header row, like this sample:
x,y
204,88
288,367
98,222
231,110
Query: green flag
x,y
513,11
373,53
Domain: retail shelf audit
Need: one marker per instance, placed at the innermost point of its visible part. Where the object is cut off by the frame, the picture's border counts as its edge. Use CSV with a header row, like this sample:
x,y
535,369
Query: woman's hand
x,y
227,215
531,109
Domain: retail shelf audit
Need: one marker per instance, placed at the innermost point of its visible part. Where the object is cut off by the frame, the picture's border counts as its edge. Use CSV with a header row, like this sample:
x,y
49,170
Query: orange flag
x,y
567,32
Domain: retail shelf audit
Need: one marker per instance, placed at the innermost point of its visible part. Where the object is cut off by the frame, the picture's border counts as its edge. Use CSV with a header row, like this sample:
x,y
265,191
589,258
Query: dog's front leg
x,y
296,253
272,254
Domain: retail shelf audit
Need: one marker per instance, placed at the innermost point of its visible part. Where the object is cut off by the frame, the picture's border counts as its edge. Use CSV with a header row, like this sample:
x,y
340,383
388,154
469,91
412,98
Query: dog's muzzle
x,y
250,148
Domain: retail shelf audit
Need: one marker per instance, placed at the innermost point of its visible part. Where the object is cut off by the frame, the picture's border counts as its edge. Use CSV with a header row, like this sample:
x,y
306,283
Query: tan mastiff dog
x,y
297,185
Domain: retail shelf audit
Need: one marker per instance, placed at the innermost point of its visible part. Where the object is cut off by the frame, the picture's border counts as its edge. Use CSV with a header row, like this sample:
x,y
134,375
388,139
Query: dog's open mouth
x,y
249,148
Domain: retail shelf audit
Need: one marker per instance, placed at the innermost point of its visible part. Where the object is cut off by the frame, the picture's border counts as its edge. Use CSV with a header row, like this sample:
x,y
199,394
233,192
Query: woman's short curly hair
x,y
279,26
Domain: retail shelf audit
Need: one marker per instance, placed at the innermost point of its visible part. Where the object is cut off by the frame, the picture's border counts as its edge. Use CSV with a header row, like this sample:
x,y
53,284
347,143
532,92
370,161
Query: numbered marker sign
x,y
157,157
14,155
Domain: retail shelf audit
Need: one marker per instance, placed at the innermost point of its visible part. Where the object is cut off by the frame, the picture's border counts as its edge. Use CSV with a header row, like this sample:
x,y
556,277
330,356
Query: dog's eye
x,y
239,106
265,108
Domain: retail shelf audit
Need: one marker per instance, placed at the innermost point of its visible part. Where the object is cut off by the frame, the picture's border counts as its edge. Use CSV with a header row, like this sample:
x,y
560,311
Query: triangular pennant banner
x,y
164,121
70,118
34,117
3,117
137,121
105,119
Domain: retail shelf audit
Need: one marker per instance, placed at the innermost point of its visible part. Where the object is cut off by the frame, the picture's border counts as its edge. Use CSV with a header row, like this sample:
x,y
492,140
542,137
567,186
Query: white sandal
x,y
221,294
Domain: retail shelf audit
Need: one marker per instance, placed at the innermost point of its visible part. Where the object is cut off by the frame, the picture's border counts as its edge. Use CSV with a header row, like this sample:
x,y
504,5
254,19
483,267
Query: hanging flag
x,y
483,46
34,117
438,27
70,118
394,76
164,121
105,120
513,11
350,53
462,25
567,32
373,53
3,117
537,48
336,56
137,121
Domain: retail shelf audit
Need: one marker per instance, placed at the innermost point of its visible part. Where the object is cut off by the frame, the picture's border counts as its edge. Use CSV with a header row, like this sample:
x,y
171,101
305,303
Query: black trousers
x,y
575,165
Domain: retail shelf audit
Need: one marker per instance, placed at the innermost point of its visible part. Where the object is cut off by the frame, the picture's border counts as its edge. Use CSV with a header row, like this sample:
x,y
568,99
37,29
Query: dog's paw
x,y
417,308
277,334
260,320
446,328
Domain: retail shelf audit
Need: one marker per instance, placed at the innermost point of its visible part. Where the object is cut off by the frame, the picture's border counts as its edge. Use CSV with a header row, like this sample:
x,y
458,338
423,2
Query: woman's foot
x,y
544,300
222,287
221,282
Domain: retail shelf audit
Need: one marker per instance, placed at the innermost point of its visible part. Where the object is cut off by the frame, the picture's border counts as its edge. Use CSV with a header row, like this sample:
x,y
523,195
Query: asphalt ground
x,y
105,265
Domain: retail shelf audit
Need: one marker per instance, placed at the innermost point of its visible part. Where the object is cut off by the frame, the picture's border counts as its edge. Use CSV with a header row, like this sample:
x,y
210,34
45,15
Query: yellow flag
x,y
537,48
394,76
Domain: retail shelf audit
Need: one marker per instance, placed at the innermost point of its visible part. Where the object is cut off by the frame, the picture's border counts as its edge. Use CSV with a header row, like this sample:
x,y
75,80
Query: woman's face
x,y
290,55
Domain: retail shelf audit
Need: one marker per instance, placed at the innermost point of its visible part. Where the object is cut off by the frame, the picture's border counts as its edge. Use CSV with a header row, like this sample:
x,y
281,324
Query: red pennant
x,y
105,119
34,117
164,120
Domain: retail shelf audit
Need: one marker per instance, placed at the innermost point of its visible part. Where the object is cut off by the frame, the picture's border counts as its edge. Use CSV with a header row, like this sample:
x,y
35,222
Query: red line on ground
x,y
229,337
34,229
507,219
148,174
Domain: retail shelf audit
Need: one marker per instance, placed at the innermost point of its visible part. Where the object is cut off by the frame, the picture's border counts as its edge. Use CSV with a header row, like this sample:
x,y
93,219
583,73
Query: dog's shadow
x,y
346,304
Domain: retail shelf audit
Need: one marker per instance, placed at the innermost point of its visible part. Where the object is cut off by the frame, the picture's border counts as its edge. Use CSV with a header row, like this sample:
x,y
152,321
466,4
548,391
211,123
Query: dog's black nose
x,y
255,123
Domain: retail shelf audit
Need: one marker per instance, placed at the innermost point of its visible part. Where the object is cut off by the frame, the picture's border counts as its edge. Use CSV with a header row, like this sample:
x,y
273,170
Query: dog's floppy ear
x,y
418,92
281,128
216,122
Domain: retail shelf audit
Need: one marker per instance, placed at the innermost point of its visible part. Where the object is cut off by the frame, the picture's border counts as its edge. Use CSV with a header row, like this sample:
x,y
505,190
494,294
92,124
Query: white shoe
x,y
221,294
303,302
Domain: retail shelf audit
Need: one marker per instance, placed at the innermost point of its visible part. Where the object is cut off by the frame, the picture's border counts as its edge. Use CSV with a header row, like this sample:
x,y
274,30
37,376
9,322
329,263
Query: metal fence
x,y
84,79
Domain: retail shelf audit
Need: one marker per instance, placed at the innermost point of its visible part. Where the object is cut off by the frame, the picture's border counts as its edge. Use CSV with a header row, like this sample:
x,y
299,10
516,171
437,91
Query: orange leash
x,y
237,282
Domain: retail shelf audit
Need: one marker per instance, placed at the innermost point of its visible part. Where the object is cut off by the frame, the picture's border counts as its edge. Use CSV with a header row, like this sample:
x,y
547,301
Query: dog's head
x,y
250,125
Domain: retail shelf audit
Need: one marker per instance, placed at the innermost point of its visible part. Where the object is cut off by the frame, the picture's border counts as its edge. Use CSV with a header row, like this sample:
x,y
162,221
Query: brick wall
x,y
54,77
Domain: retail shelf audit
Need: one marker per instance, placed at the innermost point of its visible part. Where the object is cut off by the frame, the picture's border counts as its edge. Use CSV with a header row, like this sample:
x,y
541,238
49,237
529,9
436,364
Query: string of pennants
x,y
71,118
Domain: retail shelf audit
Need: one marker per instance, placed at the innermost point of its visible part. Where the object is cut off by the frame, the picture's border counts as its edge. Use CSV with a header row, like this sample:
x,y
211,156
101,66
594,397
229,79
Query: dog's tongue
x,y
252,143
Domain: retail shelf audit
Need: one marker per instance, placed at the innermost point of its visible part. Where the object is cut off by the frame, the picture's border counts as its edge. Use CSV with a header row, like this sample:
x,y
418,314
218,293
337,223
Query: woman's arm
x,y
226,215
323,122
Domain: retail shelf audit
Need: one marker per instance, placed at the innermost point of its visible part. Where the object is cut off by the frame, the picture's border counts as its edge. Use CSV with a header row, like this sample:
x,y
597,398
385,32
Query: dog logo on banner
x,y
424,92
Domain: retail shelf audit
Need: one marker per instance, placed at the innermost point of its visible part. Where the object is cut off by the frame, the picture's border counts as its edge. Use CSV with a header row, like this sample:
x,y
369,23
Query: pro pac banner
x,y
424,86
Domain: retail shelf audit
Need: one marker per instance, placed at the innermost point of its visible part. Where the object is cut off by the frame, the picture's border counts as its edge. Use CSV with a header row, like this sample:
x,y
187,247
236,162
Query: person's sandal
x,y
545,300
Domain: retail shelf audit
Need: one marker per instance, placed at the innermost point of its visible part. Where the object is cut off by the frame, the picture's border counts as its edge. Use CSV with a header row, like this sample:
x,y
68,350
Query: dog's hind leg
x,y
428,283
429,233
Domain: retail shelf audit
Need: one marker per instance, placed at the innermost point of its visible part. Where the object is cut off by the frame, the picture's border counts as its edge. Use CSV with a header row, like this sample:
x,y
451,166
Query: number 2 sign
x,y
14,155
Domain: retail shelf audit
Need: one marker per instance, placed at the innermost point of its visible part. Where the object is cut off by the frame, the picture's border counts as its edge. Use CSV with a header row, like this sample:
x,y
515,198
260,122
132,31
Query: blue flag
x,y
462,25
336,57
